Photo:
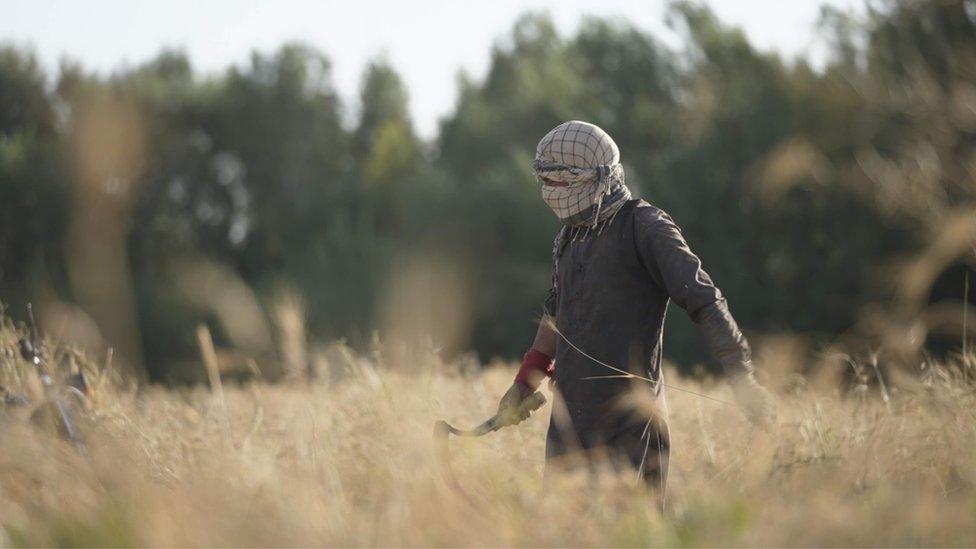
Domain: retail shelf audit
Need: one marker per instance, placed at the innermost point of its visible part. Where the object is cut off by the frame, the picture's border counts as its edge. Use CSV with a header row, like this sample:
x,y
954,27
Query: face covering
x,y
586,161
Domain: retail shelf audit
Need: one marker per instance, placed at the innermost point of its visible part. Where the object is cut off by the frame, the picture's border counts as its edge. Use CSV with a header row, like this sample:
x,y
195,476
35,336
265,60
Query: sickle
x,y
443,430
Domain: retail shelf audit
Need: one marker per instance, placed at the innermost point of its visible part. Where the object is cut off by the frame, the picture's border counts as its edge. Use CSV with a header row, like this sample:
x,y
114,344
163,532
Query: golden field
x,y
350,461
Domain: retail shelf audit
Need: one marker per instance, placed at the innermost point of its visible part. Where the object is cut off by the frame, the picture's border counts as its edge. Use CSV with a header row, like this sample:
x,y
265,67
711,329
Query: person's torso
x,y
609,307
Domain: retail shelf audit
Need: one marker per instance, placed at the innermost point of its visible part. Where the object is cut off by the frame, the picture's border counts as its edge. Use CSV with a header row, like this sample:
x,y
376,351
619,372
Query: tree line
x,y
155,198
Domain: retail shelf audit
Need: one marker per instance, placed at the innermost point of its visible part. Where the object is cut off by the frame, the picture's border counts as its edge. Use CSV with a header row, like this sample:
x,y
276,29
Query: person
x,y
617,263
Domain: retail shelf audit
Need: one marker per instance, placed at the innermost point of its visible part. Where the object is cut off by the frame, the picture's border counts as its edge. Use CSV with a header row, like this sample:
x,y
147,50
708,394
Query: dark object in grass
x,y
54,408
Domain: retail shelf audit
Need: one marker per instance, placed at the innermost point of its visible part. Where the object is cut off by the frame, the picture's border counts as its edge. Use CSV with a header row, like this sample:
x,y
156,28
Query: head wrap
x,y
587,161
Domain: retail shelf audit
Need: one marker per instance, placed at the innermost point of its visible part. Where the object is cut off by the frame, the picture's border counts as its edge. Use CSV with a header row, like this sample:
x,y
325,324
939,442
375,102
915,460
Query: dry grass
x,y
351,462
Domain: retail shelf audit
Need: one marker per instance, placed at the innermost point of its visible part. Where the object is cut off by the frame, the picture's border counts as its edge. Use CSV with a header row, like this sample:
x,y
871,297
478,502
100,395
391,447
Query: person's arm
x,y
537,362
670,261
545,337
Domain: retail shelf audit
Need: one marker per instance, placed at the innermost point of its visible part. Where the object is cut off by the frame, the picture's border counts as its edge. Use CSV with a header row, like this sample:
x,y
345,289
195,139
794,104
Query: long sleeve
x,y
550,304
671,263
725,340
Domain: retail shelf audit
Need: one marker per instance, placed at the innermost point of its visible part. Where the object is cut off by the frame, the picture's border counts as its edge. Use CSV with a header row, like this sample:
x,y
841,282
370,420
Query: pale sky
x,y
428,41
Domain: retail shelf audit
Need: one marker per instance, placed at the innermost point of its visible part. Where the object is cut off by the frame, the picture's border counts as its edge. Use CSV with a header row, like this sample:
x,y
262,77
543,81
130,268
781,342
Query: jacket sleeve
x,y
673,266
551,302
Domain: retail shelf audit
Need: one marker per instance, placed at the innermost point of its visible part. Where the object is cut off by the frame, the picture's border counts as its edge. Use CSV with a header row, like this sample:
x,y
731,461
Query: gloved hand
x,y
755,401
508,406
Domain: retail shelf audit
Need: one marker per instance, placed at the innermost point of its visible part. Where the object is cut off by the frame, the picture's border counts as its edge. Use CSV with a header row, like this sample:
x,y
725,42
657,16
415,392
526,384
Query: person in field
x,y
617,263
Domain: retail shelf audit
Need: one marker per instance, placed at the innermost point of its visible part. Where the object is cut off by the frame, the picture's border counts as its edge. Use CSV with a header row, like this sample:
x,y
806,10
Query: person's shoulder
x,y
648,214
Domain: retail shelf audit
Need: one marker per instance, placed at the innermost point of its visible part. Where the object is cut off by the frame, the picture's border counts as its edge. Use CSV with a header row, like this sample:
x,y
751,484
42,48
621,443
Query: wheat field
x,y
350,461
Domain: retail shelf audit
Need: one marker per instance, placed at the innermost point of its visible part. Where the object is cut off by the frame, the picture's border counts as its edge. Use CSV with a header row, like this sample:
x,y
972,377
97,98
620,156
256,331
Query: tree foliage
x,y
793,184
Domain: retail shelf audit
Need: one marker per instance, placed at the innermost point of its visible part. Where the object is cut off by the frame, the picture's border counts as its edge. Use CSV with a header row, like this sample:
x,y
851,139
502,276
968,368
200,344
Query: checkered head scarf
x,y
585,160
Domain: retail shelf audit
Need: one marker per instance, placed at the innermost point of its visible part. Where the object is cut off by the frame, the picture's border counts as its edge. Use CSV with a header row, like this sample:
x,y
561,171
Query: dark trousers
x,y
621,441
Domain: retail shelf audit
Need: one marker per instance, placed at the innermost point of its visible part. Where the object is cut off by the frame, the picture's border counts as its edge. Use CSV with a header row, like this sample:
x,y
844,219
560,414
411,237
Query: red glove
x,y
535,366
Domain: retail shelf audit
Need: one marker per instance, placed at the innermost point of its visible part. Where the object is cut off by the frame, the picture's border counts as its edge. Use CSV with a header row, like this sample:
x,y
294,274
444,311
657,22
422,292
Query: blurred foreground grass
x,y
351,462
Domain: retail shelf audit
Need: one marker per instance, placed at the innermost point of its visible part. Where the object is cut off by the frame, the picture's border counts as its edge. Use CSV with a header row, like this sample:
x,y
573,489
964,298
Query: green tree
x,y
33,192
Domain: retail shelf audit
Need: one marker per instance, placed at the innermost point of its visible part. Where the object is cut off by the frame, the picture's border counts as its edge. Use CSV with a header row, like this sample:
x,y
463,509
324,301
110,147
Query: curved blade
x,y
529,405
443,431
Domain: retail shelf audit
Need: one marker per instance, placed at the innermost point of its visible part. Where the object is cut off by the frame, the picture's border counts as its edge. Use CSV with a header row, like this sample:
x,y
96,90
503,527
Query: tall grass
x,y
349,460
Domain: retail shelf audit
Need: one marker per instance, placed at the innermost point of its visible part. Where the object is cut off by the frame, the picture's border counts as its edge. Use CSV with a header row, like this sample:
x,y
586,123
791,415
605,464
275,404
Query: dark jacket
x,y
609,298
